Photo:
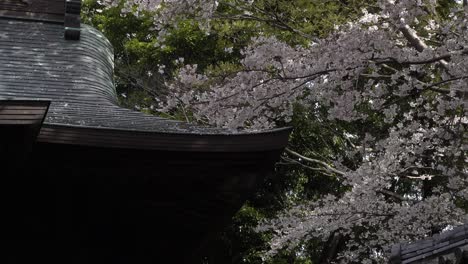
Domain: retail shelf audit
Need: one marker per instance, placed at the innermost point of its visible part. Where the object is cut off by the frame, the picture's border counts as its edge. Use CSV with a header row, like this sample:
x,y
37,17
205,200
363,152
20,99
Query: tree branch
x,y
291,161
328,167
413,38
392,194
415,41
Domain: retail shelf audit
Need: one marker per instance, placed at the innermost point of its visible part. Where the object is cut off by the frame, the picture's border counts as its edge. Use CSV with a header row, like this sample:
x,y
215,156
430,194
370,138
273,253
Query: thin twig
x,y
330,168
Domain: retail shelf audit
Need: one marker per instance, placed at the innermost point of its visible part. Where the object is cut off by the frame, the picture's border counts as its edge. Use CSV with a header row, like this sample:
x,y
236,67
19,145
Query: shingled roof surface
x,y
441,248
37,63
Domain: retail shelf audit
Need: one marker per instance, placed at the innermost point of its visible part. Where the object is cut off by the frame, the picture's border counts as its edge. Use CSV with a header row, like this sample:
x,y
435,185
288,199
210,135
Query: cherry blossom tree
x,y
396,78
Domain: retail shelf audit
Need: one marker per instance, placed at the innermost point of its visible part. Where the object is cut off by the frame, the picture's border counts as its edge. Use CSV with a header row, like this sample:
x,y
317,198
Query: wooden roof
x,y
92,182
77,78
447,247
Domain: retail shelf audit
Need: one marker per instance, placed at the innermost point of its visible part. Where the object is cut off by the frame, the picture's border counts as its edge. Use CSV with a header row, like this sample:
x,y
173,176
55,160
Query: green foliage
x,y
139,55
285,19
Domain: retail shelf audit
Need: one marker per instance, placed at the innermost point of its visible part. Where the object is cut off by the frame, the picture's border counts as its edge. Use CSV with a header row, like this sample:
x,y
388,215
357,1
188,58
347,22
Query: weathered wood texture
x,y
20,112
47,10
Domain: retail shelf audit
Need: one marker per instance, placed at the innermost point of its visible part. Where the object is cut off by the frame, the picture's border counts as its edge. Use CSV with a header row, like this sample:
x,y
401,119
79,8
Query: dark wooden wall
x,y
109,206
49,10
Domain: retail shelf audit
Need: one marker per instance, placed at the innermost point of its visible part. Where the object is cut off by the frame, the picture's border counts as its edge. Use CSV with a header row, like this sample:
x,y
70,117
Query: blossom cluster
x,y
402,68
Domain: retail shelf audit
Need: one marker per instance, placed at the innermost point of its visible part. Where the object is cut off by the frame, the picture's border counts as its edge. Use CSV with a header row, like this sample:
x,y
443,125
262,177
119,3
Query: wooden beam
x,y
20,122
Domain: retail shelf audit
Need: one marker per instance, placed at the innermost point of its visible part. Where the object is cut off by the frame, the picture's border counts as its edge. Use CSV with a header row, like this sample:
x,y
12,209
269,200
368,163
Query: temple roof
x,y
87,181
438,249
77,78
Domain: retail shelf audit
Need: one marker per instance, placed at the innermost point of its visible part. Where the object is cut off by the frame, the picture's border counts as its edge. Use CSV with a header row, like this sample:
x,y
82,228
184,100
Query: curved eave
x,y
166,141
